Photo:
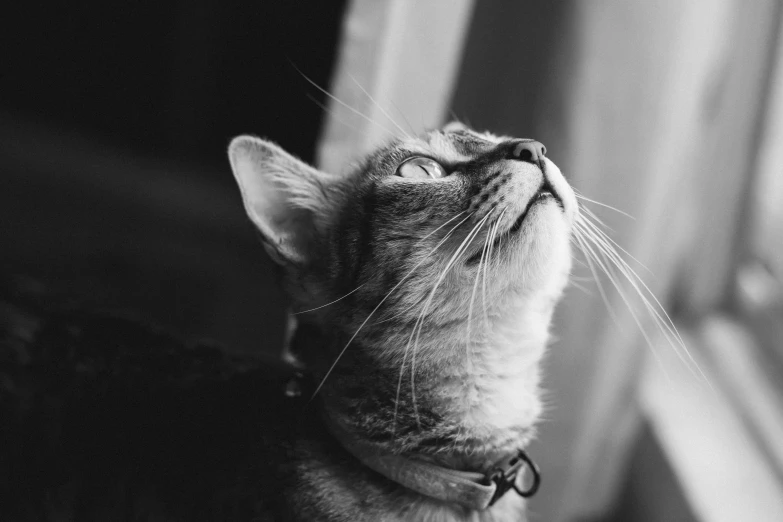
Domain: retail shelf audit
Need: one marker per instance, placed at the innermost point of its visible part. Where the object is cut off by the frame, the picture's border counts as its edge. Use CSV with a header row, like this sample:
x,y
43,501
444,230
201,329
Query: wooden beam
x,y
665,106
394,75
723,472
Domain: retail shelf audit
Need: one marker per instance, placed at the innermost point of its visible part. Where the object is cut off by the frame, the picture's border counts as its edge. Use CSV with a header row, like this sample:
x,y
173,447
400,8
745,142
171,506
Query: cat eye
x,y
421,168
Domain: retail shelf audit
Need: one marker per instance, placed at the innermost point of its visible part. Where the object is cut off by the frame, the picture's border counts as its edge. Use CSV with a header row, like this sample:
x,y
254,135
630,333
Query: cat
x,y
430,274
421,285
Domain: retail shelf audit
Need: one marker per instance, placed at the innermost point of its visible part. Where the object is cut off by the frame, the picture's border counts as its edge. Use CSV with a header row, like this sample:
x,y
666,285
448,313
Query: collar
x,y
472,490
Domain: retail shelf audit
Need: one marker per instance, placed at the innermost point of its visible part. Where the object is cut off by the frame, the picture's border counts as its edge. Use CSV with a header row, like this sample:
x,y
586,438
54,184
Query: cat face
x,y
436,246
443,209
451,198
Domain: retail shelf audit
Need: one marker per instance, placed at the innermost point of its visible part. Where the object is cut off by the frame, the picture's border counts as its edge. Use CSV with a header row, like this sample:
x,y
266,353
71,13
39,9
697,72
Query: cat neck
x,y
471,404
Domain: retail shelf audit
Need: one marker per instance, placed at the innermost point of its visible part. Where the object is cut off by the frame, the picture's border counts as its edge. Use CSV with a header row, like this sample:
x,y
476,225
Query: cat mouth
x,y
545,193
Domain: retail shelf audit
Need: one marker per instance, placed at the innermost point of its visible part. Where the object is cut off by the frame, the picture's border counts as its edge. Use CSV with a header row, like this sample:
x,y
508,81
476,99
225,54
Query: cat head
x,y
439,247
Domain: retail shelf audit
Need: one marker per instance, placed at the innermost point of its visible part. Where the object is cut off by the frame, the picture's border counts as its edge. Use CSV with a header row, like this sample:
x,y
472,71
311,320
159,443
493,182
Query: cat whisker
x,y
493,233
583,198
482,261
329,303
590,253
339,356
618,288
405,353
383,111
578,240
599,239
666,327
580,287
580,279
663,322
484,249
417,327
361,285
585,216
418,243
402,114
401,313
332,113
336,99
580,262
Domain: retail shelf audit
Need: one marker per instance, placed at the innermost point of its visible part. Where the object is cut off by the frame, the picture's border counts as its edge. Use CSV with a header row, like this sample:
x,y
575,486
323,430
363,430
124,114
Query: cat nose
x,y
531,151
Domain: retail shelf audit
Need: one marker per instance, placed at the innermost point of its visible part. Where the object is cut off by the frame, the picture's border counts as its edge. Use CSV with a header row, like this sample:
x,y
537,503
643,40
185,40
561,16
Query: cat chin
x,y
538,258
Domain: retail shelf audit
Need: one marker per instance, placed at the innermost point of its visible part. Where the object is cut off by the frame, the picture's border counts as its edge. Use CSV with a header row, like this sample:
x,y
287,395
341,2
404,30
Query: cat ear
x,y
283,196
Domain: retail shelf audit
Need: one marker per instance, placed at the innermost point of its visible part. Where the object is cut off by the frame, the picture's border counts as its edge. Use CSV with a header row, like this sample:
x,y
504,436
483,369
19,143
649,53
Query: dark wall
x,y
171,79
114,122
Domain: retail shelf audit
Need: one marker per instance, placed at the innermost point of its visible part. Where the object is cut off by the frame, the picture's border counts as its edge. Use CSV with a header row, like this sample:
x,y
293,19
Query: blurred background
x,y
115,191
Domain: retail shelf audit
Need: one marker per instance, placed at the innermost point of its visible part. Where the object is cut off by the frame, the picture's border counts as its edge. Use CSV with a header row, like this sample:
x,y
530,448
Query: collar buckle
x,y
505,476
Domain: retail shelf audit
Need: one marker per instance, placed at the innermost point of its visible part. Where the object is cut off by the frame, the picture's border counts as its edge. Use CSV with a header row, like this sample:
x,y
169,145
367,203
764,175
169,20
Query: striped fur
x,y
427,302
